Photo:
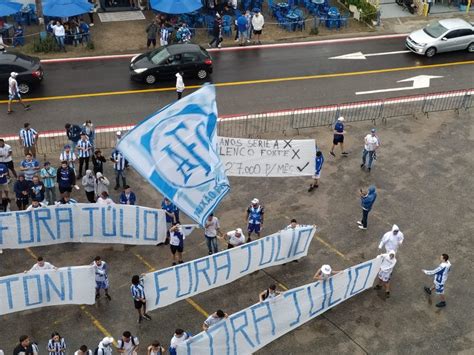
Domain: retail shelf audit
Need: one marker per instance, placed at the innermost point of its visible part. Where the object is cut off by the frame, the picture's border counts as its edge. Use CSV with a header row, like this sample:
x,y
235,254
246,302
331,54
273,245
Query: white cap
x,y
326,269
341,119
107,341
118,133
238,230
13,74
255,201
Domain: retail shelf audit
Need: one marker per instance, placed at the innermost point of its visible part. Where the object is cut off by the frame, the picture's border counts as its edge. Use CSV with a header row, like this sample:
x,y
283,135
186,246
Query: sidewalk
x,y
124,37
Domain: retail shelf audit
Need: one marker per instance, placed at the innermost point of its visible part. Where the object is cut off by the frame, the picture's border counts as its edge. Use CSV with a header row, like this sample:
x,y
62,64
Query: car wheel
x,y
150,79
430,52
23,88
470,48
202,74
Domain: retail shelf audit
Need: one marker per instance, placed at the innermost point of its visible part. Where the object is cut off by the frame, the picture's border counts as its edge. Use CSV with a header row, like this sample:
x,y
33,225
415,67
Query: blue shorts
x,y
14,96
439,288
102,285
254,228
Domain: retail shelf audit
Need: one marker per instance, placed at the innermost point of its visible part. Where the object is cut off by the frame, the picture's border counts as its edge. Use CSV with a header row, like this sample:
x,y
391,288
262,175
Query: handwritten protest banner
x,y
35,289
170,285
269,158
82,223
252,328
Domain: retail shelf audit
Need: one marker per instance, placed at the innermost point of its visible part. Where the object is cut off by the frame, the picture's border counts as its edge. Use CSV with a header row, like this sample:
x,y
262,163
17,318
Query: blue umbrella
x,y
176,6
65,8
8,8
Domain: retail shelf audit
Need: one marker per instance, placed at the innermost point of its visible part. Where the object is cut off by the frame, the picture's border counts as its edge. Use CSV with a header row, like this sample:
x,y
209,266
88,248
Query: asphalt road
x,y
248,81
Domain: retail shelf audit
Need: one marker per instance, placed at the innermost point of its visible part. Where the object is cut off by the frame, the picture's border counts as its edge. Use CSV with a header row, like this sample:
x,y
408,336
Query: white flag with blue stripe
x,y
176,150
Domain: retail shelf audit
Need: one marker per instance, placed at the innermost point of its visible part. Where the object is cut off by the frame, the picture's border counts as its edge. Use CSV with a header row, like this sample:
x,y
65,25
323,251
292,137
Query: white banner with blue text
x,y
82,223
35,289
173,284
252,328
267,158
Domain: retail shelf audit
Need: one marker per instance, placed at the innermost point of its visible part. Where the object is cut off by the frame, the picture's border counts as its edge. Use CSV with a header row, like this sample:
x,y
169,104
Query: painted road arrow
x,y
360,55
419,82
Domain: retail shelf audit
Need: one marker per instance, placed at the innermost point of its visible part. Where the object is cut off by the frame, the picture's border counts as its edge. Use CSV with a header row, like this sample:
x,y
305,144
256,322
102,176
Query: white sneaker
x,y
362,227
359,223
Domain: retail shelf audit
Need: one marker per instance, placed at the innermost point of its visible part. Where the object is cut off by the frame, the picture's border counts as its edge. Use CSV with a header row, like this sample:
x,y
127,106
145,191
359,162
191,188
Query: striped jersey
x,y
164,34
28,137
138,291
119,160
70,157
84,148
56,347
440,273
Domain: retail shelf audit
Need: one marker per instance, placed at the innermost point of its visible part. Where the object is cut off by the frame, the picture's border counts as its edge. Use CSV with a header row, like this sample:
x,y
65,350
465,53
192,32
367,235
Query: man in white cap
x,y
371,144
234,238
392,239
254,218
338,138
14,92
386,268
118,134
105,346
324,273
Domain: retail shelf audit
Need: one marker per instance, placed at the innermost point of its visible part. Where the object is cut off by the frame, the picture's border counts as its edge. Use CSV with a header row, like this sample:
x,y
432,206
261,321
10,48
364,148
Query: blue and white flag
x,y
176,150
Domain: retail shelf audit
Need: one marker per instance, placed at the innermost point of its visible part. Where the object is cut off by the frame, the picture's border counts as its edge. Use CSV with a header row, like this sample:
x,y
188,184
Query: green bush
x,y
314,31
46,45
368,11
90,45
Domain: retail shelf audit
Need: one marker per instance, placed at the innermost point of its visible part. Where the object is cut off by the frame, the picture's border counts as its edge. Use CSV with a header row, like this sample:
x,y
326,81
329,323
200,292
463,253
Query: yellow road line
x,y
94,320
322,241
196,306
248,82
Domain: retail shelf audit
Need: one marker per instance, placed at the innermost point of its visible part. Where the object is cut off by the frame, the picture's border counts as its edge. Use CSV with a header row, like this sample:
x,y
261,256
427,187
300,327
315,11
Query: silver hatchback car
x,y
442,36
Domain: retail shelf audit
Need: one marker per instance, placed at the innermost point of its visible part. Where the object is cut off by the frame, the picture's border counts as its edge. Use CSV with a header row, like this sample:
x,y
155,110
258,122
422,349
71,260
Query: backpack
x,y
267,293
122,343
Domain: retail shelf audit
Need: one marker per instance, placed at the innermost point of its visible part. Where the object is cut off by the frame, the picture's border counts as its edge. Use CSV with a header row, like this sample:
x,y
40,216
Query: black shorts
x,y
176,248
10,165
138,304
65,189
338,138
255,32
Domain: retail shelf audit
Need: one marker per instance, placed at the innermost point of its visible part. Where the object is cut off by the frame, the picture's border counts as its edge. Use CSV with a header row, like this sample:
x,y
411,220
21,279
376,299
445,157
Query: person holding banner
x,y
234,238
83,351
41,265
176,243
66,200
319,161
139,298
25,347
179,337
104,199
127,197
213,319
268,294
56,345
254,217
212,229
105,346
36,204
101,269
386,269
324,273
155,349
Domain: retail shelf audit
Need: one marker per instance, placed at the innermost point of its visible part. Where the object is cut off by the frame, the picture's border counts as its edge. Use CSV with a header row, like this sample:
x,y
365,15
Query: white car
x,y
442,36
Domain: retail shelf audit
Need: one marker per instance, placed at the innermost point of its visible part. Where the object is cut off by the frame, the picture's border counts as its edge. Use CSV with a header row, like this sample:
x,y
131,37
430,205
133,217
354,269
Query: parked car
x,y
30,73
442,36
165,62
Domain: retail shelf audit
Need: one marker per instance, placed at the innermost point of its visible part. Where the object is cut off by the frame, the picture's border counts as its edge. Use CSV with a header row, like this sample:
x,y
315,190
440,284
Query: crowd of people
x,y
72,32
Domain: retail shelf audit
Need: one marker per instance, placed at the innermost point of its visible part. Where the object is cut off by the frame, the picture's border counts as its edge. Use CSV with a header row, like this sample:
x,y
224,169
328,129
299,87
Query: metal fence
x,y
286,121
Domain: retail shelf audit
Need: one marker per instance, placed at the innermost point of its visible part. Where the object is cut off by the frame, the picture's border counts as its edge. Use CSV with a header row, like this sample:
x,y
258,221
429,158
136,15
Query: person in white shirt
x,y
68,156
155,348
440,277
179,84
128,345
392,240
214,318
386,268
101,269
104,199
211,230
257,23
324,273
293,224
269,294
83,351
234,238
42,265
59,33
36,204
6,157
179,337
105,346
14,93
371,144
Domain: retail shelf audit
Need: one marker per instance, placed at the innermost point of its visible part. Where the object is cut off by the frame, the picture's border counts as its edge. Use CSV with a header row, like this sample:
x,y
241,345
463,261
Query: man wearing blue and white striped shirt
x,y
440,277
28,138
84,149
139,299
120,163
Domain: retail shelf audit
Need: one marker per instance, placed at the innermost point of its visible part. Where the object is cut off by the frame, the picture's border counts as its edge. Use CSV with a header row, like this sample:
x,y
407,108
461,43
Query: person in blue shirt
x,y
73,132
127,197
367,200
37,189
184,34
319,161
65,178
242,29
254,217
339,133
177,243
3,181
